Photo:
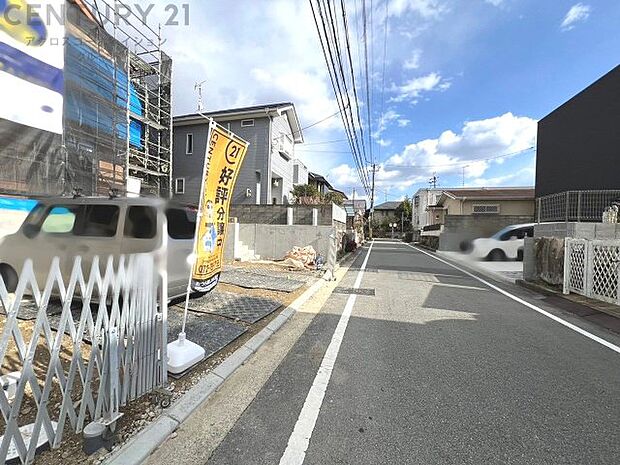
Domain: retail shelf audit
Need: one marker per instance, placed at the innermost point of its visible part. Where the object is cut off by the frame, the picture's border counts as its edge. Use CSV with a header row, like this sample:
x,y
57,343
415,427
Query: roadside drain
x,y
351,290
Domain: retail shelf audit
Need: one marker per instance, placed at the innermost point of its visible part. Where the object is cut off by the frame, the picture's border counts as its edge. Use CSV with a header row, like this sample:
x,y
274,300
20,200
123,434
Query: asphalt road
x,y
435,368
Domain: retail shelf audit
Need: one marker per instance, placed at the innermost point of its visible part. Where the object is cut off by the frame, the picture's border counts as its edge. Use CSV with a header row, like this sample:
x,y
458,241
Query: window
x,y
96,221
189,144
181,223
179,186
141,222
247,123
486,209
60,220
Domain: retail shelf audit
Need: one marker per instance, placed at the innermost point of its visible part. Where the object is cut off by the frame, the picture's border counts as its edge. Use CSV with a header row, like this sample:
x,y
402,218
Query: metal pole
x,y
372,202
198,220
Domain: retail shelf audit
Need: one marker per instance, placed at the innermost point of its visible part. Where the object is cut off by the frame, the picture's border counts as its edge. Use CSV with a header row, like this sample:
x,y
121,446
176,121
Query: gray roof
x,y
388,206
248,112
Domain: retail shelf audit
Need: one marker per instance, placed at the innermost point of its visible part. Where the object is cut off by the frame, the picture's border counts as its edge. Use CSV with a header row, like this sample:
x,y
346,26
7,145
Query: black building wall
x,y
579,142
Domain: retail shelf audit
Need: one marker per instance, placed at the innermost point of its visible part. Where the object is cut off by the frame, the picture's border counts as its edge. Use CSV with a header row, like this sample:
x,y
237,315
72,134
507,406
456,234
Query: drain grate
x,y
351,290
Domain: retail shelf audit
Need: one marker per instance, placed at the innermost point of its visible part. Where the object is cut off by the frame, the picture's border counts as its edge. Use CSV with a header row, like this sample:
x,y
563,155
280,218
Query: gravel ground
x,y
143,411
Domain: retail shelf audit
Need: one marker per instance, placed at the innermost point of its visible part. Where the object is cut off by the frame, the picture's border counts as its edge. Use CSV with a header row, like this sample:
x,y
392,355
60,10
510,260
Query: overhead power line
x,y
325,142
333,45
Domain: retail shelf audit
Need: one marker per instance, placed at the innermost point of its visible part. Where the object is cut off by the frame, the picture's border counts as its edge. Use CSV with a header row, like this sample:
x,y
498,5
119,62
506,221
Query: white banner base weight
x,y
183,354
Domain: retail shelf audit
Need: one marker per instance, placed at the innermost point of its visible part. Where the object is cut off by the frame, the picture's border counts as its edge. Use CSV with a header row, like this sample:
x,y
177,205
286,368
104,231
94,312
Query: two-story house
x,y
421,200
269,170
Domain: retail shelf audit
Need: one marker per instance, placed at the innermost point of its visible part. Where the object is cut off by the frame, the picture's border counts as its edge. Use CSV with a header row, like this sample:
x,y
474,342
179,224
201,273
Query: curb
x,y
141,446
546,291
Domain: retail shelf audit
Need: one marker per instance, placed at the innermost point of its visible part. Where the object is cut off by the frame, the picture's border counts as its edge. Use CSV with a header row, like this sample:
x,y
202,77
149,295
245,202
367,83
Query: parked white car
x,y
506,244
88,226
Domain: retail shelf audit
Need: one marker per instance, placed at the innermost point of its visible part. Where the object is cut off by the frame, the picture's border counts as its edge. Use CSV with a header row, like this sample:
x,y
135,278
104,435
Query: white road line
x,y
389,242
299,440
557,319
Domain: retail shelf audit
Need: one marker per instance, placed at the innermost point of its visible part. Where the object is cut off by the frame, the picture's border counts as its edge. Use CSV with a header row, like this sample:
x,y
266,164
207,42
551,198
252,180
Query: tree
x,y
306,194
334,197
404,211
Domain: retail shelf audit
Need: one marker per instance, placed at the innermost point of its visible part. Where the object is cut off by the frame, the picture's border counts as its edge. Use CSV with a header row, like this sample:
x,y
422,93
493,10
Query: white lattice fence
x,y
105,348
591,269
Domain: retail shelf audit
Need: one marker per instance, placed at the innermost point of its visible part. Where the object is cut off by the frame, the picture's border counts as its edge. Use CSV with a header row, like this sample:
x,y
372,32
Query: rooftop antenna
x,y
433,181
465,166
198,87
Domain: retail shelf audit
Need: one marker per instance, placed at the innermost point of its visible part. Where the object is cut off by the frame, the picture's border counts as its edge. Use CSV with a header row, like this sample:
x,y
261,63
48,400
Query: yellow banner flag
x,y
225,153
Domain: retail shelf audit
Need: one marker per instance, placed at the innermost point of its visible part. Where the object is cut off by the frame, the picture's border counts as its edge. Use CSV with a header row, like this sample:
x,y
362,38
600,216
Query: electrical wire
x,y
329,37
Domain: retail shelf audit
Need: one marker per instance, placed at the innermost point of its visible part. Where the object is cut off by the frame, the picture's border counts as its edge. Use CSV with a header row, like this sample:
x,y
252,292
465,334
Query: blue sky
x,y
464,80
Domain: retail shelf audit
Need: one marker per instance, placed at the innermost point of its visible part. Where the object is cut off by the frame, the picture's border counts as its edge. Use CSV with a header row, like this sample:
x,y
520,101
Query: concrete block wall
x,y
273,241
276,214
578,230
459,228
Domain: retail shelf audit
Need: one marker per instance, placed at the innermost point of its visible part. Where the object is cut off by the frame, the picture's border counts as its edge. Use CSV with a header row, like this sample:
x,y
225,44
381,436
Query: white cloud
x,y
523,177
451,153
578,13
385,120
428,9
286,64
413,89
495,2
384,142
413,62
403,122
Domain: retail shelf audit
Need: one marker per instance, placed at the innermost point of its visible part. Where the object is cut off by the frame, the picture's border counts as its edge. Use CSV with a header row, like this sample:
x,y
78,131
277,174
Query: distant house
x,y
354,206
320,182
577,145
270,169
386,210
468,213
483,202
421,200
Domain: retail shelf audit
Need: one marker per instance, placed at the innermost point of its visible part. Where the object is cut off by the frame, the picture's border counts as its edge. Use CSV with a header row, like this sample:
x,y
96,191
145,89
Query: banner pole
x,y
198,220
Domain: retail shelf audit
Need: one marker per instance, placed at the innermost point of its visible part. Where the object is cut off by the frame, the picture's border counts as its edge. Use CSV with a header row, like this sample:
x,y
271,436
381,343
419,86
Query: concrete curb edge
x,y
142,445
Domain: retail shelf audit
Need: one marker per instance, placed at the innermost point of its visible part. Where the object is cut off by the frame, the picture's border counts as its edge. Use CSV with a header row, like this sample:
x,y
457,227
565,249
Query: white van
x,y
89,226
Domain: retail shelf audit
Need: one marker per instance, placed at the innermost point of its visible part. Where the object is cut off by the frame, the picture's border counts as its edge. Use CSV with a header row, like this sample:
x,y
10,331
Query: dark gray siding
x,y
256,160
578,144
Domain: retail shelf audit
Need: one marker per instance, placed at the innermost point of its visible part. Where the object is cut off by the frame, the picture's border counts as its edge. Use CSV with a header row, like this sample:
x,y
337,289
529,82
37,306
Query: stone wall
x,y
276,214
460,228
548,254
543,258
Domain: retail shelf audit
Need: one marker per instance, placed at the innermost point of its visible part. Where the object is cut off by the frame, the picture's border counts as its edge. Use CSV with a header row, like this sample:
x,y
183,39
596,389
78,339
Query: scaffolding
x,y
116,118
148,109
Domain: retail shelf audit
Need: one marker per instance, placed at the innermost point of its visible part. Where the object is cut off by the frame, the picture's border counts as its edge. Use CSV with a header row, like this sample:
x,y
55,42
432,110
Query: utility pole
x,y
372,201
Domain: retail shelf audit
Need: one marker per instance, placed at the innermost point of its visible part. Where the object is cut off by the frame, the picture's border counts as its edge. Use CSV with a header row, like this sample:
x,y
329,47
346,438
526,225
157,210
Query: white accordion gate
x,y
591,268
107,350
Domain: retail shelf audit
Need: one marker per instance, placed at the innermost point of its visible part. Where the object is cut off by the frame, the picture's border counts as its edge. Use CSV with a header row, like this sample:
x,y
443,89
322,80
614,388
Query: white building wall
x,y
426,197
282,163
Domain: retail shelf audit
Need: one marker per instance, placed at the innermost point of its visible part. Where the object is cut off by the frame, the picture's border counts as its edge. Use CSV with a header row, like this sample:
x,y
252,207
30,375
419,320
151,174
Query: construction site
x,y
116,113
